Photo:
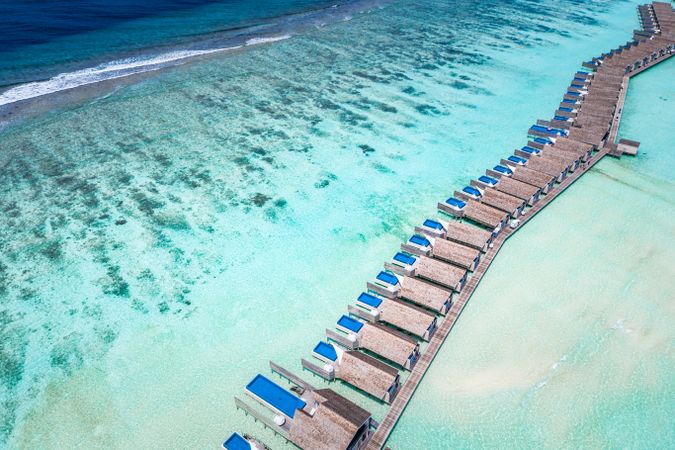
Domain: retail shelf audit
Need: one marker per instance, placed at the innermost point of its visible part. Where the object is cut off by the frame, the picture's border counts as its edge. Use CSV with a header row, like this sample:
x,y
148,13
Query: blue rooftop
x,y
387,277
405,259
433,224
420,240
236,442
370,300
350,324
275,396
326,350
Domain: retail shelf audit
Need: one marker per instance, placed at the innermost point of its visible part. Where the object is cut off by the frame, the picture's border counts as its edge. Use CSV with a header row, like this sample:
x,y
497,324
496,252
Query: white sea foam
x,y
267,40
114,69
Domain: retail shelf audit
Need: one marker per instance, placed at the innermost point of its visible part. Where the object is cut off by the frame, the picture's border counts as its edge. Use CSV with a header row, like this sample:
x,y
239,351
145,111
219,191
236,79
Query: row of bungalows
x,y
379,337
664,17
380,334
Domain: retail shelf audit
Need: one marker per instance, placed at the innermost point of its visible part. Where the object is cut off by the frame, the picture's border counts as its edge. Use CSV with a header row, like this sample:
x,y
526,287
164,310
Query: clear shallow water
x,y
161,244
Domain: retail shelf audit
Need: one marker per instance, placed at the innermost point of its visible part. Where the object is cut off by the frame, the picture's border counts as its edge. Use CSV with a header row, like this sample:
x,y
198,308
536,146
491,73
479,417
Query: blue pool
x,y
420,240
405,259
472,191
236,442
369,300
452,201
275,396
433,224
326,350
387,277
350,324
488,180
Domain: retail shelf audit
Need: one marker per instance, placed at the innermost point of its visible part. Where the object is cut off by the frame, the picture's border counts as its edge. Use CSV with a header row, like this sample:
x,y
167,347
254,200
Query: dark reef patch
x,y
366,149
115,285
259,199
427,110
67,355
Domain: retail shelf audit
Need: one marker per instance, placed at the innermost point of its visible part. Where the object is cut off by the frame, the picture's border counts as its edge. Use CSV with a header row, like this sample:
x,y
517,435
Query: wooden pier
x,y
451,257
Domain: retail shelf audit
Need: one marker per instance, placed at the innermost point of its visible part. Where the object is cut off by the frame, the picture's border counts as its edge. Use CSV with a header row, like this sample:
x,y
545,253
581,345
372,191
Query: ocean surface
x,y
164,236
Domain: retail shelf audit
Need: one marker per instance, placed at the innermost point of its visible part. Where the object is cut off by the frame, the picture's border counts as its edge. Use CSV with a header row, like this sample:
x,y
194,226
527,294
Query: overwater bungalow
x,y
513,195
357,369
512,184
520,172
455,231
414,290
540,165
427,268
312,419
453,252
378,339
402,315
485,215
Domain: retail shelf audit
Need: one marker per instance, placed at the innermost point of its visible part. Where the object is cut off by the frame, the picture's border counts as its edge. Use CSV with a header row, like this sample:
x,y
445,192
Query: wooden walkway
x,y
410,385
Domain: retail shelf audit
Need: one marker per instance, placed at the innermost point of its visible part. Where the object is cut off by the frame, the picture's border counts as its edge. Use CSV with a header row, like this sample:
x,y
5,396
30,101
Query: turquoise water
x,y
162,243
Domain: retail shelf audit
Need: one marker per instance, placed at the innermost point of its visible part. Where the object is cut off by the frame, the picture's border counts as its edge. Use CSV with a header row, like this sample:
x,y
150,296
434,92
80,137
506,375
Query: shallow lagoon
x,y
161,244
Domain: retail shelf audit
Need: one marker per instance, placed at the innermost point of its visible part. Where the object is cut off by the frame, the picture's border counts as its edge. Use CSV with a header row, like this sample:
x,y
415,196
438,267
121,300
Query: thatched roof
x,y
517,189
366,373
533,177
501,200
467,234
333,425
406,317
384,342
484,214
439,272
591,136
567,144
455,253
565,154
424,294
562,162
545,166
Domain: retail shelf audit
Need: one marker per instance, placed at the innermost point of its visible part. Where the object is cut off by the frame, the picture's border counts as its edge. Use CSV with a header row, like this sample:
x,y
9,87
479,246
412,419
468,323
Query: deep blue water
x,y
41,38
